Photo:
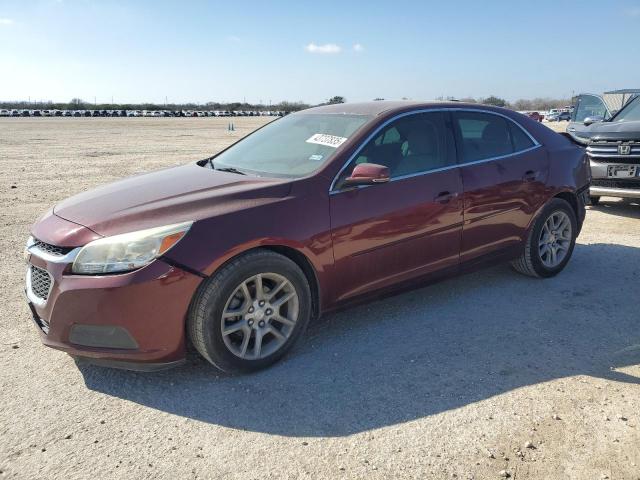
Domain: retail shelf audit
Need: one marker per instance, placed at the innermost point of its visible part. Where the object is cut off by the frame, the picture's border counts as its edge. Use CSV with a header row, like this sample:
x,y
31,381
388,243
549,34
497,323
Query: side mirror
x,y
367,174
591,120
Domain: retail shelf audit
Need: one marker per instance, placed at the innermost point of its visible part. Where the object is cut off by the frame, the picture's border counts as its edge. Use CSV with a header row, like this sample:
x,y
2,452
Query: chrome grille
x,y
40,282
50,249
607,149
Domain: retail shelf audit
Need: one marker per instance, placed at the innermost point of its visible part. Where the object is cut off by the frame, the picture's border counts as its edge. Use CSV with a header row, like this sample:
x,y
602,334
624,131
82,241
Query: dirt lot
x,y
557,126
448,381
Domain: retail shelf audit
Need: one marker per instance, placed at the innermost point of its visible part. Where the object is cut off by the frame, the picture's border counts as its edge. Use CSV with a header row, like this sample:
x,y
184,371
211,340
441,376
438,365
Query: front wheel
x,y
250,313
550,242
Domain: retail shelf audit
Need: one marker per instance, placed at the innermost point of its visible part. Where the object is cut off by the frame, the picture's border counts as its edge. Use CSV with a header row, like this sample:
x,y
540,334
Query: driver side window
x,y
411,145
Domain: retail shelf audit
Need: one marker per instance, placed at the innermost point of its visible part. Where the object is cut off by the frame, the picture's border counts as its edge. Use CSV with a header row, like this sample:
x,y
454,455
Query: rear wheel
x,y
250,313
551,241
594,200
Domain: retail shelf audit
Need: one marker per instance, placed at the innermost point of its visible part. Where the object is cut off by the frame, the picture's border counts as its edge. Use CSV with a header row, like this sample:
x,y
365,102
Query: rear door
x,y
504,173
411,226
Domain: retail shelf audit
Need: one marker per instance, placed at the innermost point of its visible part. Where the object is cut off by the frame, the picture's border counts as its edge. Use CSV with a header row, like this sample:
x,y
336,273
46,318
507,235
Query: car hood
x,y
168,196
614,131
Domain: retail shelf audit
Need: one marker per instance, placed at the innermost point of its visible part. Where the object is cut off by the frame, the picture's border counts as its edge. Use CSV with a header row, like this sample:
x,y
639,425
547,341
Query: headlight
x,y
126,252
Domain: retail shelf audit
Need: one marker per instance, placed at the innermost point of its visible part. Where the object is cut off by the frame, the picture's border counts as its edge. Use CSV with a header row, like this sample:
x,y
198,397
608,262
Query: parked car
x,y
590,108
238,252
613,147
559,117
535,116
5,113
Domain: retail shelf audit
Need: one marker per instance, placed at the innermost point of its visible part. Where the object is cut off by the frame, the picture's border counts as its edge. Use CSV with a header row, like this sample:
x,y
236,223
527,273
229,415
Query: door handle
x,y
530,176
445,197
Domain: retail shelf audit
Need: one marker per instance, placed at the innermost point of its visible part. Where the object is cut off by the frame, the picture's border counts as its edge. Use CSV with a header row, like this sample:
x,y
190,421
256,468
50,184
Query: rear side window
x,y
484,135
521,140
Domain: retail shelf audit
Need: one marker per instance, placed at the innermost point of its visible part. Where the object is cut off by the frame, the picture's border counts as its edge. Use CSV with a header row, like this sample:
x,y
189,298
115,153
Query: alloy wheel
x,y
555,239
259,316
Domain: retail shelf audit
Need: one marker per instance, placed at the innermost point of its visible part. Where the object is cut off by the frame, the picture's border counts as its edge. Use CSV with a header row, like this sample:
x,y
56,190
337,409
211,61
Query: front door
x,y
410,226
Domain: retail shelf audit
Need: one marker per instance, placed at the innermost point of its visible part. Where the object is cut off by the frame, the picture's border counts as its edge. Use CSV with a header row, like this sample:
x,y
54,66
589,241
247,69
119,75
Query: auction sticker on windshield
x,y
327,140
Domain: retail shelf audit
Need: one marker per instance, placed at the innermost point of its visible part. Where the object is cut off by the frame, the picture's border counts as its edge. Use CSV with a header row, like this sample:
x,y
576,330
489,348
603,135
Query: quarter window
x,y
410,145
484,136
521,140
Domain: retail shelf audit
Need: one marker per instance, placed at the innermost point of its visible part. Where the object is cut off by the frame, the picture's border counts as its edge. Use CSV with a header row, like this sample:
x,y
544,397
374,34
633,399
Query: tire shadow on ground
x,y
419,353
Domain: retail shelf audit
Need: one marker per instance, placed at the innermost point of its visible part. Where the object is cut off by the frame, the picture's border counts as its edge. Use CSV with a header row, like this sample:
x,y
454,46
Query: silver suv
x,y
612,141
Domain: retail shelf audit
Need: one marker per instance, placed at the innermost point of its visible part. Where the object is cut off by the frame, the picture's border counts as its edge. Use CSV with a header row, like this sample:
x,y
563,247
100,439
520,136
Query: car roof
x,y
626,90
376,108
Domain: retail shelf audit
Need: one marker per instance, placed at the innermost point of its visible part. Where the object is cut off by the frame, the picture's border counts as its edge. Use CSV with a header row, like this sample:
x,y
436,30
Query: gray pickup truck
x,y
609,128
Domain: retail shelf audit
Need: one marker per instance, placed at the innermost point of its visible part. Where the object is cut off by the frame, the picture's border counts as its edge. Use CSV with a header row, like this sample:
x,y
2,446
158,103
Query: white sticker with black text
x,y
327,140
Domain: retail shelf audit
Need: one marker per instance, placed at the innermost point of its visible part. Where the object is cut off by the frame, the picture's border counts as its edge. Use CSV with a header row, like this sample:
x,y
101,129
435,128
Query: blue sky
x,y
142,50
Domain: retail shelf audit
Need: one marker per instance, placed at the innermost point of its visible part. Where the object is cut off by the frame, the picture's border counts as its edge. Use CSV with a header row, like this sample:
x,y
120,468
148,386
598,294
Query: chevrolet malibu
x,y
236,253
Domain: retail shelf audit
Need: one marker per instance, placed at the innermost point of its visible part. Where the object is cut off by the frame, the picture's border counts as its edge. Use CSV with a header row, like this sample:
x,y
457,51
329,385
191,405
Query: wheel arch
x,y
572,199
307,268
568,196
297,257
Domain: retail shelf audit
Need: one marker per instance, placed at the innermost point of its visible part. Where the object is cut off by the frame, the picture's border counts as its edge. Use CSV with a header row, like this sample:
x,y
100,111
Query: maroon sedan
x,y
238,252
535,116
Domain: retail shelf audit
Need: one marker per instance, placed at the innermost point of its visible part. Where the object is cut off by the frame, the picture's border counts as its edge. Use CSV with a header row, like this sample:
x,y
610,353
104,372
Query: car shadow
x,y
419,353
629,208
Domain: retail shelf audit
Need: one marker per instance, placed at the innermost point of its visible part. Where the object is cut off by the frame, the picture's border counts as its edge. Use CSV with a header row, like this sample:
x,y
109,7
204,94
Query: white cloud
x,y
326,48
634,12
6,21
358,47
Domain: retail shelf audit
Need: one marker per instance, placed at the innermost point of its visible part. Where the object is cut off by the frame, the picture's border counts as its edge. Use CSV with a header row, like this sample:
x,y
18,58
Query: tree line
x,y
540,104
79,104
523,104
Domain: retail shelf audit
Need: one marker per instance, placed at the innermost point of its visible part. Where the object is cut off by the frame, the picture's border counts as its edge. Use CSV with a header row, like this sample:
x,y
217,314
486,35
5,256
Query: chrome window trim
x,y
536,144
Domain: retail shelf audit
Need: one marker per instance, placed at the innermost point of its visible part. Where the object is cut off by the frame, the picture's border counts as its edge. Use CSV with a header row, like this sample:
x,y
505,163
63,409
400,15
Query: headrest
x,y
495,132
422,142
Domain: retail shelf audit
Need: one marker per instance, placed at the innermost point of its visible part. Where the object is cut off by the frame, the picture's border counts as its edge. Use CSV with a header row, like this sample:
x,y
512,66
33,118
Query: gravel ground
x,y
468,378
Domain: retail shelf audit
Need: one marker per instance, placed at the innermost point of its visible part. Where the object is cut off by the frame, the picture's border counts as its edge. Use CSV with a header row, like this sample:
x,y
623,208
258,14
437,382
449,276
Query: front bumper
x,y
614,192
603,186
132,320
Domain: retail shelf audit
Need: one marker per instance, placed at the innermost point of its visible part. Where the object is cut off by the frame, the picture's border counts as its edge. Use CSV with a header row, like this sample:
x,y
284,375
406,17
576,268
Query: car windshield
x,y
630,113
293,146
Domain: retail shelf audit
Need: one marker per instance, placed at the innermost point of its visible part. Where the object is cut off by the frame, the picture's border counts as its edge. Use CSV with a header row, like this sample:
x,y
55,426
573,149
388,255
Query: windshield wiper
x,y
230,170
224,169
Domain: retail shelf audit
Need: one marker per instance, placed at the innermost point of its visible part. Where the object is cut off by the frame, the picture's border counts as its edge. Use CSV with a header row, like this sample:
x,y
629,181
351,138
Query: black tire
x,y
530,262
594,200
205,314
